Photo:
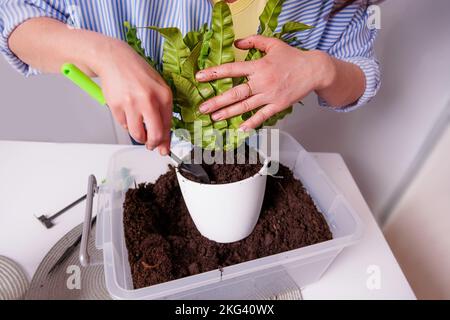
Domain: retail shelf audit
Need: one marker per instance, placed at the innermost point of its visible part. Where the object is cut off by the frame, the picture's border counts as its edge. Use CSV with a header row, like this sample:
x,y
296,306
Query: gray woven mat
x,y
13,281
69,280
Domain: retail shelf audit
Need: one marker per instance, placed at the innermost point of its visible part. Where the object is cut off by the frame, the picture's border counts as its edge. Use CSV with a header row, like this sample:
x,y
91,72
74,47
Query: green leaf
x,y
290,41
192,116
203,29
269,17
223,124
177,123
208,47
205,119
175,50
190,68
221,44
236,121
254,54
268,23
199,127
206,90
204,52
187,95
294,26
247,115
213,138
135,43
188,115
192,38
239,80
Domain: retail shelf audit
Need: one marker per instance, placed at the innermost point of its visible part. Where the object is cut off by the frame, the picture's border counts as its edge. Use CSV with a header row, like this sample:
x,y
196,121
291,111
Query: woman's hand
x,y
134,91
284,76
136,95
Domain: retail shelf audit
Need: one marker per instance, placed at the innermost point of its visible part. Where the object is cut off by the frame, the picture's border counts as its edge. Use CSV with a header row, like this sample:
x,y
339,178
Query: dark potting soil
x,y
164,244
245,165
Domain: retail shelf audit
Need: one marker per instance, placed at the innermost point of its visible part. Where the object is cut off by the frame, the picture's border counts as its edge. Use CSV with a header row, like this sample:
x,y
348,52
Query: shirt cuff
x,y
14,19
371,70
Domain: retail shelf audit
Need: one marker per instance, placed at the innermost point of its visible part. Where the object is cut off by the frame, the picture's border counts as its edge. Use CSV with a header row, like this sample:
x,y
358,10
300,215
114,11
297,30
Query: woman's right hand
x,y
133,90
136,94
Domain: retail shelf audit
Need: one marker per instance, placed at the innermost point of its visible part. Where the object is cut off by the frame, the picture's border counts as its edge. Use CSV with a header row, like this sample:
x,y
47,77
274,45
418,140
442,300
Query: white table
x,y
41,178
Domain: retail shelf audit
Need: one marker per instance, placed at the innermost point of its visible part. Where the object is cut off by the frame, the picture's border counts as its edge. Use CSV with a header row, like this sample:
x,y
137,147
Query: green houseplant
x,y
198,49
183,57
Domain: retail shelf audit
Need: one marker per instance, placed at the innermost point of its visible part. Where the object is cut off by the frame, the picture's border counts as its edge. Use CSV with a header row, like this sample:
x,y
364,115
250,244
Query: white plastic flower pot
x,y
225,212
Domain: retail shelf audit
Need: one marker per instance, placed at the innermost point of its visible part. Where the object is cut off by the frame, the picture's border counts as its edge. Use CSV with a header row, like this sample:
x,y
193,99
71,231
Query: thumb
x,y
262,43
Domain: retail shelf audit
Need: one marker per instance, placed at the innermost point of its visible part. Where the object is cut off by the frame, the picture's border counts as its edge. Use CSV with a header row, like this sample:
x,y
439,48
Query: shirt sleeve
x,y
356,45
15,12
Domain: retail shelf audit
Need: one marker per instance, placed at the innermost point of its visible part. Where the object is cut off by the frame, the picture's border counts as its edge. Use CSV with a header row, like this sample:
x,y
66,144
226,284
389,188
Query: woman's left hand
x,y
284,76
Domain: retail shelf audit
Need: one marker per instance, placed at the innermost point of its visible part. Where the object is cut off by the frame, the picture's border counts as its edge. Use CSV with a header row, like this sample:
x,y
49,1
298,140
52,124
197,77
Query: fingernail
x,y
163,151
204,108
200,76
151,148
217,116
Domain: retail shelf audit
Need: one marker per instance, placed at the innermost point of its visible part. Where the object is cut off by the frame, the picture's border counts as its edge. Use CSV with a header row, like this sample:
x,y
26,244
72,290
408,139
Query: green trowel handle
x,y
84,82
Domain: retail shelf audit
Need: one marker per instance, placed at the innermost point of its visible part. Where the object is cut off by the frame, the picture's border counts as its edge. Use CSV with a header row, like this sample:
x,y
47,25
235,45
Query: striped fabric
x,y
345,36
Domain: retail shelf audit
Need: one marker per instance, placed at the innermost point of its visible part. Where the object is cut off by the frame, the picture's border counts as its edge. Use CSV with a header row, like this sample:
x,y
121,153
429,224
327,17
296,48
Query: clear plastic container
x,y
260,278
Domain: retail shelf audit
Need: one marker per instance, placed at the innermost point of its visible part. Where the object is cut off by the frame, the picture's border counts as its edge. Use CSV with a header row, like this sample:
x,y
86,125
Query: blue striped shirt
x,y
345,36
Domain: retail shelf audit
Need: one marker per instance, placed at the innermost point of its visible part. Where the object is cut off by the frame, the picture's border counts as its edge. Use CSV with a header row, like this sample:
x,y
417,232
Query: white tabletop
x,y
41,178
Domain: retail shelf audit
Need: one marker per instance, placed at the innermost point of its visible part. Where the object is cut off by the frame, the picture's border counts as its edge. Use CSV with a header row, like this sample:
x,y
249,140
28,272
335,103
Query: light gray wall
x,y
417,222
378,142
49,108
